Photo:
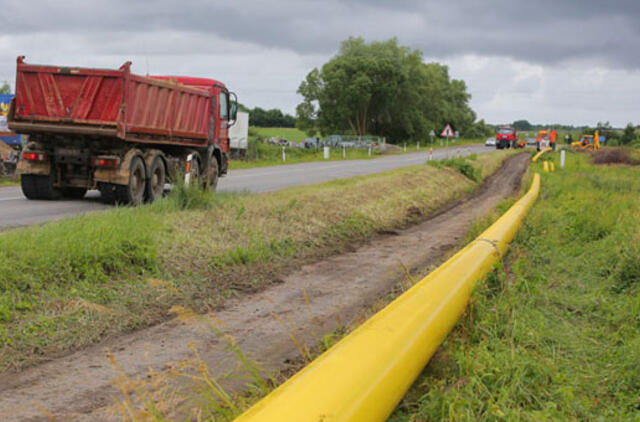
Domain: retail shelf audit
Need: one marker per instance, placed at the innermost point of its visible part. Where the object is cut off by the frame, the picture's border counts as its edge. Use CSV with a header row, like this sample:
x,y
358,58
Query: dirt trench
x,y
317,299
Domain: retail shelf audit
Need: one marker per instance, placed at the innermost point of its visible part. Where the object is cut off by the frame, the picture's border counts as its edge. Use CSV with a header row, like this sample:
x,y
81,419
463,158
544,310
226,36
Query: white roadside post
x,y
344,151
326,153
431,135
187,174
562,159
369,150
430,154
284,154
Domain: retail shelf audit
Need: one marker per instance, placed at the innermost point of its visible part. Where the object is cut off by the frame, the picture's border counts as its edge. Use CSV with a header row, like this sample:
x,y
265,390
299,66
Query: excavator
x,y
587,143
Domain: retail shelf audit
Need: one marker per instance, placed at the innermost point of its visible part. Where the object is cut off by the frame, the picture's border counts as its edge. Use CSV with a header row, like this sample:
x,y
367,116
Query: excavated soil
x,y
317,299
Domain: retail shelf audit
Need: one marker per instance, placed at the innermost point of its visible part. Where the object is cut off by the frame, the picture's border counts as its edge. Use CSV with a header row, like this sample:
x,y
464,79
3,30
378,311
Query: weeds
x,y
161,396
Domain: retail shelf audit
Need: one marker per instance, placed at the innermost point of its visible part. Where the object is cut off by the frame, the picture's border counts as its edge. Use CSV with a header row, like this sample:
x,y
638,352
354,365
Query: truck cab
x,y
506,137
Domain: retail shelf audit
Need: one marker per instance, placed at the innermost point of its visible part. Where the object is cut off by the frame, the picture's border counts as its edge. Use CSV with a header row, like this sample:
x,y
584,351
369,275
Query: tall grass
x,y
554,334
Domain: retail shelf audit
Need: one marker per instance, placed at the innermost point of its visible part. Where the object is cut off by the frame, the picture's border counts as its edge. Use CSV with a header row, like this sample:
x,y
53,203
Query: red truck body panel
x,y
160,110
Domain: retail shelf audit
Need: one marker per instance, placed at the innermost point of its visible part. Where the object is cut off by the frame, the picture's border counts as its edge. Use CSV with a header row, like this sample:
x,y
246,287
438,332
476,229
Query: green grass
x,y
554,332
8,181
71,283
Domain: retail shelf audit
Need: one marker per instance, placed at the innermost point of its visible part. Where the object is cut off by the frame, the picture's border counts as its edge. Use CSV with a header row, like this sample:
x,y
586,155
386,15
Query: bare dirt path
x,y
314,300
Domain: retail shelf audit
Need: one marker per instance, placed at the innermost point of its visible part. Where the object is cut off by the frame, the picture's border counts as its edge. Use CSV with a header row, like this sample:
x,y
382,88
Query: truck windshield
x,y
505,131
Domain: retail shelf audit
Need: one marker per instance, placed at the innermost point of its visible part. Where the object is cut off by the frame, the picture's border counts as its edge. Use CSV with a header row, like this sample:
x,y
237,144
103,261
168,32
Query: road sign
x,y
432,133
447,132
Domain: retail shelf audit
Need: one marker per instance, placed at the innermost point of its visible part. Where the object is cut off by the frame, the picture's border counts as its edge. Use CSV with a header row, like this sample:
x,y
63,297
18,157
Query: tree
x,y
628,135
5,88
268,118
479,130
522,125
384,89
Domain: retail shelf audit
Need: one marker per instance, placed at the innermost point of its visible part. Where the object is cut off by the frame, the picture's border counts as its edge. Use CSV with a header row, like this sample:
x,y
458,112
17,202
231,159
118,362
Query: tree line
x,y
384,89
268,118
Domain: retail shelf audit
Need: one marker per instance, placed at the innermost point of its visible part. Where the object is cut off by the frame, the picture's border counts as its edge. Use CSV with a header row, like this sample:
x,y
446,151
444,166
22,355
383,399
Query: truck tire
x,y
133,192
130,194
74,193
38,187
156,180
213,172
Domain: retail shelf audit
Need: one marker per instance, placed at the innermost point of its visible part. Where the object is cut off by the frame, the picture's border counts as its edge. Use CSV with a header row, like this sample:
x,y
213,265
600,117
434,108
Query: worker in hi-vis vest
x,y
552,139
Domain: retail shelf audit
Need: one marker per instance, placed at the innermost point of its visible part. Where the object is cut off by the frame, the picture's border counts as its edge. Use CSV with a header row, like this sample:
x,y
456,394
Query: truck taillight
x,y
34,156
105,162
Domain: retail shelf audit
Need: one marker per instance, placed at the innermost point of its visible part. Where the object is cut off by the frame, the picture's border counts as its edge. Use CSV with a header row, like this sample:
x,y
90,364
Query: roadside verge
x,y
350,383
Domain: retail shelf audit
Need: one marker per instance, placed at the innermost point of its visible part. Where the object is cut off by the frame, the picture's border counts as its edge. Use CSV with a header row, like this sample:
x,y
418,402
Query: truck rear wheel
x,y
132,193
157,179
35,186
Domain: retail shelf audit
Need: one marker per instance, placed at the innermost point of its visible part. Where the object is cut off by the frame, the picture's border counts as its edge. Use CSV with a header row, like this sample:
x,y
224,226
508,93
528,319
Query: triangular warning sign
x,y
447,132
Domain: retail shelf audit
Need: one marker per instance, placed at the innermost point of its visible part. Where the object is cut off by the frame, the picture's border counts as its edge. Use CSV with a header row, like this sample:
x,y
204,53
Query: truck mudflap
x,y
40,168
120,174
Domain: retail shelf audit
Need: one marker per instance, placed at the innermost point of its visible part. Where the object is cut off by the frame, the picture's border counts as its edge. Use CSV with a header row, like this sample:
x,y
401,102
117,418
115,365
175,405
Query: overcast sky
x,y
564,61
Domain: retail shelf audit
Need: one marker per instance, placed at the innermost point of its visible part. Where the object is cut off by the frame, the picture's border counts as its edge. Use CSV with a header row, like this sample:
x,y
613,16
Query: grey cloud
x,y
535,31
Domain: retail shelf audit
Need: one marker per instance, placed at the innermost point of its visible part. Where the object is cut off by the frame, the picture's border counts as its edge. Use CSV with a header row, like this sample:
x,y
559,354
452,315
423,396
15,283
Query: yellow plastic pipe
x,y
366,374
545,166
535,157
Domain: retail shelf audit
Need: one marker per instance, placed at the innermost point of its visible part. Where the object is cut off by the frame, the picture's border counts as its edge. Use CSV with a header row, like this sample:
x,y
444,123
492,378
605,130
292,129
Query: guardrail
x,y
366,374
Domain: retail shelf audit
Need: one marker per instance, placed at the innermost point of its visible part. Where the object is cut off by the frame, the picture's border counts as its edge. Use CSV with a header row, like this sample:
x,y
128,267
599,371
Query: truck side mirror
x,y
233,109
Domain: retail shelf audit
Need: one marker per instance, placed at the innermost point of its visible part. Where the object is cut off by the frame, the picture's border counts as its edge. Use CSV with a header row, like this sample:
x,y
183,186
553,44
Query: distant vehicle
x,y
121,133
311,142
507,137
531,142
239,135
490,142
587,142
542,140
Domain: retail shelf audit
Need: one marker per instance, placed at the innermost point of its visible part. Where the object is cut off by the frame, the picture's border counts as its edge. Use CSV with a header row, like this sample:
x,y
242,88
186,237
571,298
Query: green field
x,y
554,333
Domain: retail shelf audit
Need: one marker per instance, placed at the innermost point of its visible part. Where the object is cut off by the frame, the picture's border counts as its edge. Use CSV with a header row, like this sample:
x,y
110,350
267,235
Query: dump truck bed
x,y
109,103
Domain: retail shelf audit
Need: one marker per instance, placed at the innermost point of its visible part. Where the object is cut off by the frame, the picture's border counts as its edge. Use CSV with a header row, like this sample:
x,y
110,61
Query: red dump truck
x,y
507,137
124,134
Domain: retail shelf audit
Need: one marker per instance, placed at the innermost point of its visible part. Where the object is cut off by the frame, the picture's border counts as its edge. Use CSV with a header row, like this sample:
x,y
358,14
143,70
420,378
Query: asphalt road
x,y
16,210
